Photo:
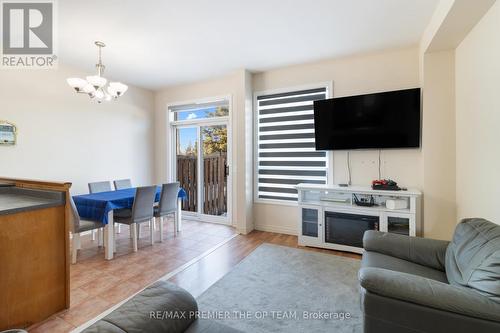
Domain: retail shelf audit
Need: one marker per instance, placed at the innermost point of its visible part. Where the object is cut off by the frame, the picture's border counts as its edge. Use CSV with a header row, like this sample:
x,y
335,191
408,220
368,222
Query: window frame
x,y
329,155
216,99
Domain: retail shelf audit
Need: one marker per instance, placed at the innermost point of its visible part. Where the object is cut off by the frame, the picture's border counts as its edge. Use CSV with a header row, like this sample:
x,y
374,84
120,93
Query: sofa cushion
x,y
162,307
378,260
473,257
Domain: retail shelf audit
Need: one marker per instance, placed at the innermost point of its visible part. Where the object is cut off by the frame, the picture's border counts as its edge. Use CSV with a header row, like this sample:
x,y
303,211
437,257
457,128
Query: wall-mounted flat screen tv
x,y
373,121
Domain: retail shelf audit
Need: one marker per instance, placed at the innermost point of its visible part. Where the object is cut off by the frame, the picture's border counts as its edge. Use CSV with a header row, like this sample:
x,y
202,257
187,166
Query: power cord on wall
x,y
349,167
379,172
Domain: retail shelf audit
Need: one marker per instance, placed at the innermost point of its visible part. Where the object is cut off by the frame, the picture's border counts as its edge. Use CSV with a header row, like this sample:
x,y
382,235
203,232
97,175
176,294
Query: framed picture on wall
x,y
8,133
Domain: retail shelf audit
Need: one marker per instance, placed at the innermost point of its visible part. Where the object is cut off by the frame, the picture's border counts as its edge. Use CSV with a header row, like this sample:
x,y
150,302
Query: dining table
x,y
100,207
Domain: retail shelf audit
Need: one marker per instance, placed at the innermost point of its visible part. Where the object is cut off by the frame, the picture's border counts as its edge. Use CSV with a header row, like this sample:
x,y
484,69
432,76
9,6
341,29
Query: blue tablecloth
x,y
96,206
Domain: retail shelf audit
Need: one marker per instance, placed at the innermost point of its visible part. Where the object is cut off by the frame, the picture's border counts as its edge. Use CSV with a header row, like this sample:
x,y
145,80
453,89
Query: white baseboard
x,y
277,228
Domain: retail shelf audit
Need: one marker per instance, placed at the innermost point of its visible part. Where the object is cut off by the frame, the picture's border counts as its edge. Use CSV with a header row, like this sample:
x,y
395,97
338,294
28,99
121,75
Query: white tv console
x,y
329,217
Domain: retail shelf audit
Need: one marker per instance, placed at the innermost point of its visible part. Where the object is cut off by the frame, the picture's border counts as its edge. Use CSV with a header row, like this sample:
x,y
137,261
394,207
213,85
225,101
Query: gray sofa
x,y
162,307
411,284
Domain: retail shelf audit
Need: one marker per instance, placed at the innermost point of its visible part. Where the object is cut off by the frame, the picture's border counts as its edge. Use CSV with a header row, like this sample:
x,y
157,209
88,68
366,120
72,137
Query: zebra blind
x,y
286,152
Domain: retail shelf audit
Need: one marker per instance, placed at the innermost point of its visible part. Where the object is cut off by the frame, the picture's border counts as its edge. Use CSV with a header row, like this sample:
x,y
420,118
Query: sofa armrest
x,y
423,251
427,292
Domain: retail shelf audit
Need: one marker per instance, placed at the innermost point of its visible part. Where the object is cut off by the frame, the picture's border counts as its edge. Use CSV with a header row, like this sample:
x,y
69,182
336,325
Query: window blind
x,y
199,106
286,154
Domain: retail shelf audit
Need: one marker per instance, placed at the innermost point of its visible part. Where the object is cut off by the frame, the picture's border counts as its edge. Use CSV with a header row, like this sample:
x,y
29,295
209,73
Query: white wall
x,y
390,70
437,70
452,21
438,144
478,120
64,136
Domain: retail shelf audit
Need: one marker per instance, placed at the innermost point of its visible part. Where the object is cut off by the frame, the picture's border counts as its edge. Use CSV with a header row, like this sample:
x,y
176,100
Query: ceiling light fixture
x,y
95,86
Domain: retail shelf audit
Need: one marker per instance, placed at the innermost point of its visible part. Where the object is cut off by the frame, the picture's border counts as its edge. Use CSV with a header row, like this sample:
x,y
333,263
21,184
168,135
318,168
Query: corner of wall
x,y
451,23
477,119
243,129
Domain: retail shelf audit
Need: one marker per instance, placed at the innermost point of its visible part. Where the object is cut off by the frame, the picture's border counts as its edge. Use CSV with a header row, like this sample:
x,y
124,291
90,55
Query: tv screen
x,y
382,120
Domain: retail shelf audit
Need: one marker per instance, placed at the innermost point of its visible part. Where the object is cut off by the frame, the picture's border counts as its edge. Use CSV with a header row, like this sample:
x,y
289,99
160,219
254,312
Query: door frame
x,y
172,153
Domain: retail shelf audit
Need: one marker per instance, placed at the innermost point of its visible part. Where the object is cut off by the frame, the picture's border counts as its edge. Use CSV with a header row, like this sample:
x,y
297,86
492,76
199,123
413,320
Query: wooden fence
x,y
214,191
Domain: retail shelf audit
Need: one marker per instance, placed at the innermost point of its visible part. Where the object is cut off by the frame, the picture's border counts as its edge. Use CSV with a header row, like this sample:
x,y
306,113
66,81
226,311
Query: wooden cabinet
x,y
34,256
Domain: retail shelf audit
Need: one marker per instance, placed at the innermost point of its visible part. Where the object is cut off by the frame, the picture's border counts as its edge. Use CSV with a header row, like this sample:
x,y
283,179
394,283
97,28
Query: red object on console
x,y
385,184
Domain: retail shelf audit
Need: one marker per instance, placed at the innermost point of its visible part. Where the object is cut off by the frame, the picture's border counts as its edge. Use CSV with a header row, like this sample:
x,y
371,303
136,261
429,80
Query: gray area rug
x,y
282,289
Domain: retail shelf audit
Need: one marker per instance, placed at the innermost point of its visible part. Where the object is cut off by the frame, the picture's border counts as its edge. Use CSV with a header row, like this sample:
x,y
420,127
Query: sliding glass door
x,y
201,161
214,168
187,165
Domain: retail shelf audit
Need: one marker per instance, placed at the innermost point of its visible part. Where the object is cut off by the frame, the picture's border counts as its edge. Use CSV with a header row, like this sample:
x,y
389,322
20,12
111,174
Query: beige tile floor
x,y
98,284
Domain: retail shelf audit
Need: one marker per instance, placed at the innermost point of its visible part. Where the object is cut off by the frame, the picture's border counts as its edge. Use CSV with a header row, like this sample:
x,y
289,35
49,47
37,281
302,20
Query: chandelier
x,y
95,86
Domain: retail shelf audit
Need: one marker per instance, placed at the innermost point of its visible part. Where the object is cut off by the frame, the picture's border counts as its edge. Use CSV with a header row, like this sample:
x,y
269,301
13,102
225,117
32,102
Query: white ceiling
x,y
155,43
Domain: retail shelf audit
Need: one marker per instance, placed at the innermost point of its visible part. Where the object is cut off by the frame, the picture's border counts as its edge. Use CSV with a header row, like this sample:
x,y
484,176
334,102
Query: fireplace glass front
x,y
348,229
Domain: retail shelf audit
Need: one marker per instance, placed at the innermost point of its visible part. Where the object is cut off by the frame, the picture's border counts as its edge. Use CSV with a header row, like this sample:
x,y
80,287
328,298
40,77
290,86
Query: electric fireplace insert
x,y
348,229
